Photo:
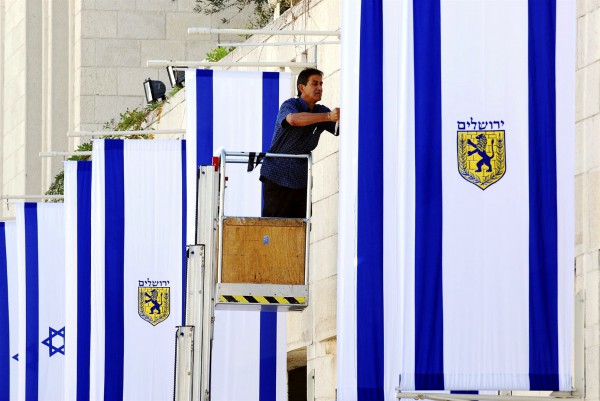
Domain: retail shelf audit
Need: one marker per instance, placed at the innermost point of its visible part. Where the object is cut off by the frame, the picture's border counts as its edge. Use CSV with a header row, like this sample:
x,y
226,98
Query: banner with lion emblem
x,y
456,280
137,267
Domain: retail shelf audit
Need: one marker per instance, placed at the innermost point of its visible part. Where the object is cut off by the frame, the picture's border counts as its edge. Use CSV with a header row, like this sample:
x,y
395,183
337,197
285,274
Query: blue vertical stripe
x,y
84,268
543,247
114,269
31,302
204,117
268,357
429,347
183,231
270,107
4,319
268,320
369,278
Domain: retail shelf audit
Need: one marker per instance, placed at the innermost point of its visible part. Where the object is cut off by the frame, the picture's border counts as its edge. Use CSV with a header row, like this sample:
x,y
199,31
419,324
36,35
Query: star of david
x,y
48,341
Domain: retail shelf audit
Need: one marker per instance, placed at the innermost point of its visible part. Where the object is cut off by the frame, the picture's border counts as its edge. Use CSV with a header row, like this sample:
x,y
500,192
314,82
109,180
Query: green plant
x,y
174,91
217,53
58,185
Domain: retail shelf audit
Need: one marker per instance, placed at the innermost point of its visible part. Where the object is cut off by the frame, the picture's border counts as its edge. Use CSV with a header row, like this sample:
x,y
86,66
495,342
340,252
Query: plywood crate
x,y
263,250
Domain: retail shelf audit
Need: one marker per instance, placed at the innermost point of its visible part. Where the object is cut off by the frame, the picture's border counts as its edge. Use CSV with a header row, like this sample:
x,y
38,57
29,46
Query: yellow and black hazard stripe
x,y
257,299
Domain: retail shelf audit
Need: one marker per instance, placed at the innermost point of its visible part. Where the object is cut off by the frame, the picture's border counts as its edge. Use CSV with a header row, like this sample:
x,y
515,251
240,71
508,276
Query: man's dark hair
x,y
304,75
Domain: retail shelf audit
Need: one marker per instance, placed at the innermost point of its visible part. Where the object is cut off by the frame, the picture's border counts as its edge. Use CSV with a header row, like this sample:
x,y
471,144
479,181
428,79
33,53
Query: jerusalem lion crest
x,y
481,157
154,304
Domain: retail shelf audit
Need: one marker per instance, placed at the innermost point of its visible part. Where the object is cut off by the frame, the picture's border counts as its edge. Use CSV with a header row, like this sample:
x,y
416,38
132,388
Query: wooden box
x,y
263,250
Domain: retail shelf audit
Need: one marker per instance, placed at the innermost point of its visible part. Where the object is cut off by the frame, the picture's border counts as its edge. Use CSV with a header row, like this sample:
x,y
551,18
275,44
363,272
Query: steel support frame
x,y
484,397
200,293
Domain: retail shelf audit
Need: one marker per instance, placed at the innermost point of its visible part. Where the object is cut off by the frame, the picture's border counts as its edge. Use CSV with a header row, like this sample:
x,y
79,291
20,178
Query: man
x,y
298,128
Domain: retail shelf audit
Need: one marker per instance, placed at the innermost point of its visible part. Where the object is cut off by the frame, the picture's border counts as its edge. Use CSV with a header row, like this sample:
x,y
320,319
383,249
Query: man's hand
x,y
334,115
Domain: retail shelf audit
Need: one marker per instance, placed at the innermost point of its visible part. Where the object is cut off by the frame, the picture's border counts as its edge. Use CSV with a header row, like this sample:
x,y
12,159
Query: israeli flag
x,y
41,287
456,196
78,227
138,267
9,317
236,111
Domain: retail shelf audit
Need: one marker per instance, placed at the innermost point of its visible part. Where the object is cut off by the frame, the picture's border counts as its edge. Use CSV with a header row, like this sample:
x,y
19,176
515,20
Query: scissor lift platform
x,y
236,263
263,263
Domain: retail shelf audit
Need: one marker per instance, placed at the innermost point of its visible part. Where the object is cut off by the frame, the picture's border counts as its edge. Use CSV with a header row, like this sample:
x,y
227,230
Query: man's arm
x,y
302,119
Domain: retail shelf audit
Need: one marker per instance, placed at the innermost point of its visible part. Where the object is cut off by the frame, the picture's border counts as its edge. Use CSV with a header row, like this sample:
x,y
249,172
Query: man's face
x,y
313,89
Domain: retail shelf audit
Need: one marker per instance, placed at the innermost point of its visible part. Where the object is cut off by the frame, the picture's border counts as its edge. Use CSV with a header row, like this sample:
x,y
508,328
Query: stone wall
x,y
114,39
78,64
22,81
587,186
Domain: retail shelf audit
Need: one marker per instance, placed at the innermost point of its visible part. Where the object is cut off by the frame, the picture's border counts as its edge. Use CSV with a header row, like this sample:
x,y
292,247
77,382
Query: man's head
x,y
310,84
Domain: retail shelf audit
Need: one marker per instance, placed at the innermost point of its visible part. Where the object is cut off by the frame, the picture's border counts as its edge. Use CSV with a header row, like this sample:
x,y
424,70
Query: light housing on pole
x,y
154,90
176,78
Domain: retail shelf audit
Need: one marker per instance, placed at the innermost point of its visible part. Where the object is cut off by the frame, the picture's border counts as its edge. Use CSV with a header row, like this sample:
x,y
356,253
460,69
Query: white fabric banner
x,y
78,190
9,321
138,267
236,111
41,283
456,213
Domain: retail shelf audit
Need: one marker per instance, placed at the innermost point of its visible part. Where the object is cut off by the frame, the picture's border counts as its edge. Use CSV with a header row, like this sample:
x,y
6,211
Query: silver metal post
x,y
100,133
309,184
32,197
480,397
263,44
207,212
228,64
184,338
222,176
227,31
64,154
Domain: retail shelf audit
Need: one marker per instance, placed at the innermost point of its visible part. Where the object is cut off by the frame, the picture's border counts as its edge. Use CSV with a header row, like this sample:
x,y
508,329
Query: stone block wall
x,y
78,64
22,78
587,186
114,39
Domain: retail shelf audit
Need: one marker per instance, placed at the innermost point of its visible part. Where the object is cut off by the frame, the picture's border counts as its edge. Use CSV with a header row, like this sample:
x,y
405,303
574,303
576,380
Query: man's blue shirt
x,y
292,173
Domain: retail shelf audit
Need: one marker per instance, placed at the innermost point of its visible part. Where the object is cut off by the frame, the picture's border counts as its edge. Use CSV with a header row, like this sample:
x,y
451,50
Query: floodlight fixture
x,y
154,90
176,77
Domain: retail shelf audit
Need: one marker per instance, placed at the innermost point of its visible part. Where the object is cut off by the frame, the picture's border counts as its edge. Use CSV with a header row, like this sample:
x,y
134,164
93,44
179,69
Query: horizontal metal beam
x,y
484,397
242,157
69,154
206,64
75,134
227,31
260,44
25,197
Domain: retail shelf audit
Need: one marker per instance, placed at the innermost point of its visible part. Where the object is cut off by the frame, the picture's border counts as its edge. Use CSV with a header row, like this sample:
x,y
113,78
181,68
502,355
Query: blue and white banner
x,y
9,316
78,226
236,111
41,287
138,267
456,196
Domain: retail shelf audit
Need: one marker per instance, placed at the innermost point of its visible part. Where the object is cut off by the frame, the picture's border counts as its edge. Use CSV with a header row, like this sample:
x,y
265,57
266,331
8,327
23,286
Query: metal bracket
x,y
483,397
